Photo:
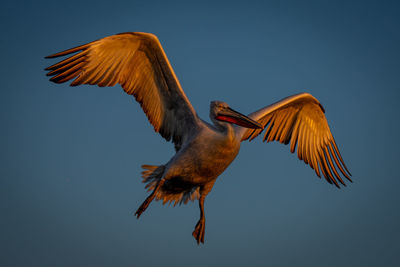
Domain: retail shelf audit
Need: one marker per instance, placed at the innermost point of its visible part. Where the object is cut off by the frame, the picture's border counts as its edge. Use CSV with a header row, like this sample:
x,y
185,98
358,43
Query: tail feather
x,y
174,191
151,175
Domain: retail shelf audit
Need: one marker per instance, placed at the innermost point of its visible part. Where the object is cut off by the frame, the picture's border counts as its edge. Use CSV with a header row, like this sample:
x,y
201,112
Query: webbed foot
x,y
199,231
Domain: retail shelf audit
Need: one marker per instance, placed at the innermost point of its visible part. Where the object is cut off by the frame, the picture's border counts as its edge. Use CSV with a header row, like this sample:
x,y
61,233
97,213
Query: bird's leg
x,y
149,199
199,230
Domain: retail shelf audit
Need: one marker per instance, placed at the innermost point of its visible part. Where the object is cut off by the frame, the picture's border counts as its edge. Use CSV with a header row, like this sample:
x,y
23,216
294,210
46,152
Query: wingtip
x,y
52,56
53,81
322,108
337,185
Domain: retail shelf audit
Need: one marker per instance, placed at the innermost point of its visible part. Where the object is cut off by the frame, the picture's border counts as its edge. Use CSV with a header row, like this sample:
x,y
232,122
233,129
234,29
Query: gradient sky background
x,y
70,157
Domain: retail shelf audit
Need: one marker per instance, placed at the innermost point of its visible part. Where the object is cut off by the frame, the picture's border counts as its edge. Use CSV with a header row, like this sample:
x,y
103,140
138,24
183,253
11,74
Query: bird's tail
x,y
174,190
151,175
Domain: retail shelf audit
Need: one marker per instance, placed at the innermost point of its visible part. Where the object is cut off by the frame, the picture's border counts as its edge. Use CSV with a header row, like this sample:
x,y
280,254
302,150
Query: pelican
x,y
139,64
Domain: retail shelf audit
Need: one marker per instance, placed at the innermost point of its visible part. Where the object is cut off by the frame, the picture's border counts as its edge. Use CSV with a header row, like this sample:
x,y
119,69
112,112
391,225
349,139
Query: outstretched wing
x,y
138,63
300,119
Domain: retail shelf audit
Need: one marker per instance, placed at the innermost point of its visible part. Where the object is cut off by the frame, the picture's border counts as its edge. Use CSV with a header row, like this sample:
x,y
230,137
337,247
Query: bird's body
x,y
203,151
203,157
194,163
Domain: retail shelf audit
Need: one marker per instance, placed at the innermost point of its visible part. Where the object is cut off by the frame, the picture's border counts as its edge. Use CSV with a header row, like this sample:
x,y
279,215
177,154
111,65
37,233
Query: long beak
x,y
235,117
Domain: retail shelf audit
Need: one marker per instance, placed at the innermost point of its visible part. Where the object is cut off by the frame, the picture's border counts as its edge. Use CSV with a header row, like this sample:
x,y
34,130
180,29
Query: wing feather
x,y
315,154
301,150
300,121
323,169
295,136
332,166
312,154
307,143
138,63
285,135
282,124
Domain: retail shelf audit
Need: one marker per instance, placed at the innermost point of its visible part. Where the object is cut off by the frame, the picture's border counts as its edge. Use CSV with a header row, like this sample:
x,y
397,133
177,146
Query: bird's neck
x,y
225,127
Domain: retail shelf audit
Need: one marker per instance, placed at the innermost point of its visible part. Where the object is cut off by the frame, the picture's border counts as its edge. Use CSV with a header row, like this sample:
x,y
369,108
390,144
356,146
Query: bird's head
x,y
221,112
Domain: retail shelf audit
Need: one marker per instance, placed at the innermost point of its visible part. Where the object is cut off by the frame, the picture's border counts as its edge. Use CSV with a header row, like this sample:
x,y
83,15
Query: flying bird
x,y
204,150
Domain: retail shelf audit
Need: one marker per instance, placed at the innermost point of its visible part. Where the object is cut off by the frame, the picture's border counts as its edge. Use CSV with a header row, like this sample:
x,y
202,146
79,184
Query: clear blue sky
x,y
70,157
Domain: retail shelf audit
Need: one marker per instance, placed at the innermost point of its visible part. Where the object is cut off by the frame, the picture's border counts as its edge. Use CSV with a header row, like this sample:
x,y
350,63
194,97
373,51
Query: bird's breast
x,y
205,157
